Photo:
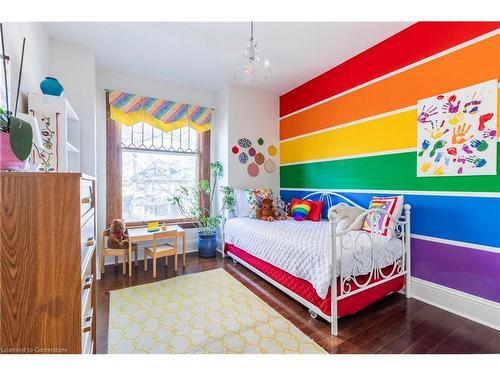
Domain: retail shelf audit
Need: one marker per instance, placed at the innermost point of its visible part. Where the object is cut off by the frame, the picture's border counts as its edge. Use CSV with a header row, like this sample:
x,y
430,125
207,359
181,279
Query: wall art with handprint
x,y
457,132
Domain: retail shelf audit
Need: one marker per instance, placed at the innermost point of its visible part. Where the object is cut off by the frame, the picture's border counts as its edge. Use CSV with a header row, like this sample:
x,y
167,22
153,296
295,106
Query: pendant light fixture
x,y
253,67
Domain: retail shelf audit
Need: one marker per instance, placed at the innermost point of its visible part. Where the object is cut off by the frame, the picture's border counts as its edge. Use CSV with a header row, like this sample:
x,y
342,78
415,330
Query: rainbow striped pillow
x,y
379,221
300,210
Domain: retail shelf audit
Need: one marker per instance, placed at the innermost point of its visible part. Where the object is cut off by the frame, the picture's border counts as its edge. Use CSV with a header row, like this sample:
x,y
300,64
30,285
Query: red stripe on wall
x,y
413,44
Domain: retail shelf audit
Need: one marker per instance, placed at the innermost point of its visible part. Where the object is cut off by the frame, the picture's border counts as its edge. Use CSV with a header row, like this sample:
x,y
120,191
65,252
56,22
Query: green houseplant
x,y
16,135
197,203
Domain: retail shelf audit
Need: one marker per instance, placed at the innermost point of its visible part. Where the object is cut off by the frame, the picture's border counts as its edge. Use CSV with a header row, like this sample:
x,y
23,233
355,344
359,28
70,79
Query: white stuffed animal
x,y
345,216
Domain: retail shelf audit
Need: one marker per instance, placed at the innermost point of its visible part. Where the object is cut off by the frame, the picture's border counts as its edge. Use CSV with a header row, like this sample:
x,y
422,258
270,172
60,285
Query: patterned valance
x,y
130,109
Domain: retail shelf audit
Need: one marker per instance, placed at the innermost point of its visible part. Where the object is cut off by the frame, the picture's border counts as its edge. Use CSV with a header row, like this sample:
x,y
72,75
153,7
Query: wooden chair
x,y
161,250
108,251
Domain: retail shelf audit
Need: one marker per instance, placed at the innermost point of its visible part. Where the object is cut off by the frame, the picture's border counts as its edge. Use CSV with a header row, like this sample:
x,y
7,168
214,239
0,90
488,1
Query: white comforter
x,y
303,248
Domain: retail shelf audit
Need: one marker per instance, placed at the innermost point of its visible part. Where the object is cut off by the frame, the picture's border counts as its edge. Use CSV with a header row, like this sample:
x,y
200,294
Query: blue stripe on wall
x,y
465,219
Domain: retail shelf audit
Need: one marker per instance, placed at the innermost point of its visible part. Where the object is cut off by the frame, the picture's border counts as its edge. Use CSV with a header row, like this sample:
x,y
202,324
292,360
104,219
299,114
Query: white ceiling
x,y
203,54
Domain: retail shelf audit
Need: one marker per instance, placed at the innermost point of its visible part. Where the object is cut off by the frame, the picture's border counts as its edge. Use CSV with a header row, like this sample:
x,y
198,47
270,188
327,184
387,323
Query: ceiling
x,y
203,54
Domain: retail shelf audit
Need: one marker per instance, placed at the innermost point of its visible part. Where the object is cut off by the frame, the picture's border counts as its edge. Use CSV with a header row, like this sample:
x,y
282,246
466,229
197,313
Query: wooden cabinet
x,y
47,263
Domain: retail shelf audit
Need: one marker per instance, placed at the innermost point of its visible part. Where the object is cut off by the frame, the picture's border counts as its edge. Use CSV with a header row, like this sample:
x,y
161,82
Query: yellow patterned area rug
x,y
205,312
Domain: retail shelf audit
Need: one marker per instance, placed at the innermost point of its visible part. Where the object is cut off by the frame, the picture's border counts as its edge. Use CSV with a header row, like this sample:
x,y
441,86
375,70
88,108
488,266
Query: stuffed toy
x,y
118,238
266,212
281,209
345,215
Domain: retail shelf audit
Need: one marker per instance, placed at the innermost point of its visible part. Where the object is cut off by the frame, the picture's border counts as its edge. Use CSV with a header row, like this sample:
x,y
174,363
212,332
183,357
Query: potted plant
x,y
16,138
16,135
197,203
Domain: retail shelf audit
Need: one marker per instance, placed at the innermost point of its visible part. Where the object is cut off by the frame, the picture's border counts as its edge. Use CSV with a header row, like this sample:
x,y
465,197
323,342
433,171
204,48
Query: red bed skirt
x,y
303,288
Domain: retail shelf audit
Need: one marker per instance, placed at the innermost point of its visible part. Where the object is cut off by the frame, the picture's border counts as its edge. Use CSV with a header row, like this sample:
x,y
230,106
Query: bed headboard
x,y
330,198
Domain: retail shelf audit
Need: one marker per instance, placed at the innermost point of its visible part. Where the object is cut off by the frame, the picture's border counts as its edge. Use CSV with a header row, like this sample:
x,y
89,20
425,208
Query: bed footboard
x,y
370,252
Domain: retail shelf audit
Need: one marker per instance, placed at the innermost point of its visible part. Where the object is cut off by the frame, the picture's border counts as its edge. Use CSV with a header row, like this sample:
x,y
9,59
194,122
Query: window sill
x,y
183,223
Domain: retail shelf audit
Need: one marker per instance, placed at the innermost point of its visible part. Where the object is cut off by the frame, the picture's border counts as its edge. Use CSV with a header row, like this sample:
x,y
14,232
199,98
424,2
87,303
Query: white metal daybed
x,y
370,257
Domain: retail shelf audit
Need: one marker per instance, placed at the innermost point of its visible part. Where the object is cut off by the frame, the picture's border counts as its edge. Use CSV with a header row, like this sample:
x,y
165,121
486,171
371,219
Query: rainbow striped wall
x,y
353,130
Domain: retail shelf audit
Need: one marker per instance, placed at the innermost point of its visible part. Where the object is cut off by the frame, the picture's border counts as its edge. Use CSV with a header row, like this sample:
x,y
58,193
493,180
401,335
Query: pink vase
x,y
9,161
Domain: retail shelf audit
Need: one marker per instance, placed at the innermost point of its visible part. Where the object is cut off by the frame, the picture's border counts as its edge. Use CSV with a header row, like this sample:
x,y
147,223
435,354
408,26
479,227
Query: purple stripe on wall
x,y
469,270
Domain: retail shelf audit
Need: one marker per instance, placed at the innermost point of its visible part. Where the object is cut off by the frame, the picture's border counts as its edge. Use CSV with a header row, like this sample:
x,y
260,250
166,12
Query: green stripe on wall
x,y
383,172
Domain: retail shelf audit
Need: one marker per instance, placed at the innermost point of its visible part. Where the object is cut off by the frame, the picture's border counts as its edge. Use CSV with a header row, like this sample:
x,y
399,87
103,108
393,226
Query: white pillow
x,y
345,216
242,207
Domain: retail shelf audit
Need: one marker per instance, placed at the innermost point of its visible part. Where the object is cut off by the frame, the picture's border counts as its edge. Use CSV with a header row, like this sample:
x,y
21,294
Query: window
x,y
154,164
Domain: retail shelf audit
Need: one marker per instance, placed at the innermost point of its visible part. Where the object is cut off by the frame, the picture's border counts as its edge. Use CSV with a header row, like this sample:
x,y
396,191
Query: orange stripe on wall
x,y
467,66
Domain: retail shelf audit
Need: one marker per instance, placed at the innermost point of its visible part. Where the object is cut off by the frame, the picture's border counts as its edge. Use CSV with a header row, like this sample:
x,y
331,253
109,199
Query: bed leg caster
x,y
235,262
313,314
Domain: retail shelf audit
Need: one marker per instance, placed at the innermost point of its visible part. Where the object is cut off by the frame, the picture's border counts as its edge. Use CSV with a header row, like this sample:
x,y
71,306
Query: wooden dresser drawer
x,y
87,232
87,276
87,343
87,201
88,331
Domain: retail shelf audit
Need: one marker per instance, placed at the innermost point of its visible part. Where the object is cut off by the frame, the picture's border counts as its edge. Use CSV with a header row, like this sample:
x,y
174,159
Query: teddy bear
x,y
266,212
118,238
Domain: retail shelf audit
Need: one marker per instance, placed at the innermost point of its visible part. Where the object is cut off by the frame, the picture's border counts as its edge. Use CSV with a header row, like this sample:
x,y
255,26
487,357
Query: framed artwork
x,y
457,132
49,154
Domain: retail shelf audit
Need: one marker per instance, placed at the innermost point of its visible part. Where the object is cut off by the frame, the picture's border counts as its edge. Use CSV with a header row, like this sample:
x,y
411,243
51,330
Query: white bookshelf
x,y
68,137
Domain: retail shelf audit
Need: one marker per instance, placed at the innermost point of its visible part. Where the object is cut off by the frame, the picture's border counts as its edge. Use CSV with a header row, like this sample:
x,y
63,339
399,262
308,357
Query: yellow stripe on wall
x,y
385,133
398,131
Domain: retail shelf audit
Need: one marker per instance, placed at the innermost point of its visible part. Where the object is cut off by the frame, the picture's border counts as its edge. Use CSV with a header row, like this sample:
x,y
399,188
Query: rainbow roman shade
x,y
129,109
353,130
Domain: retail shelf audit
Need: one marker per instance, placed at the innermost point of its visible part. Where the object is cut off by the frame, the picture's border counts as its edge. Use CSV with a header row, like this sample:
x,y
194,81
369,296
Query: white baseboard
x,y
471,307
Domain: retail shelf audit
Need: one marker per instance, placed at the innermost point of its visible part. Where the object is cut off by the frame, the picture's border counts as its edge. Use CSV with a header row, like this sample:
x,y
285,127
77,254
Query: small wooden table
x,y
136,235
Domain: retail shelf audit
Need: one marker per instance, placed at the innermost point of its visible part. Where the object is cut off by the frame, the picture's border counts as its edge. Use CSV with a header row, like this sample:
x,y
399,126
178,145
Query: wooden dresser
x,y
47,263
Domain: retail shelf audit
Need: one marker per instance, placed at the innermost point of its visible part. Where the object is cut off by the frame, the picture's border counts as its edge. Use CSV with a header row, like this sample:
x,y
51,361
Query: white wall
x,y
245,112
36,57
74,66
220,132
140,85
252,114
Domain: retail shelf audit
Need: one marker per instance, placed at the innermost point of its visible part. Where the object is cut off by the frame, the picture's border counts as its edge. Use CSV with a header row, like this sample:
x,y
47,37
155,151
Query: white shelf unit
x,y
68,137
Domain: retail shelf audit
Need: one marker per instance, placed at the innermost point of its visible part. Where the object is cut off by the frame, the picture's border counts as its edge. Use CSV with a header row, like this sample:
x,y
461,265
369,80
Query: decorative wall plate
x,y
251,151
260,141
244,142
235,150
269,166
243,158
272,150
253,170
259,158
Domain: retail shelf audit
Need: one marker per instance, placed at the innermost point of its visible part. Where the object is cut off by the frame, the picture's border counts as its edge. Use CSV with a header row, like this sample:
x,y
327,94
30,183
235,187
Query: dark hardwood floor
x,y
393,325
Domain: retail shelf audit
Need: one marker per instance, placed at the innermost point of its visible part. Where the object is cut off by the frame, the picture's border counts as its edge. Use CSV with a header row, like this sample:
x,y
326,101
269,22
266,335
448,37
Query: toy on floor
x,y
118,238
266,212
